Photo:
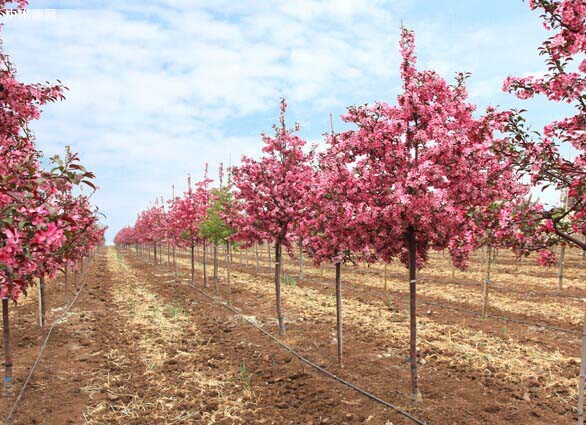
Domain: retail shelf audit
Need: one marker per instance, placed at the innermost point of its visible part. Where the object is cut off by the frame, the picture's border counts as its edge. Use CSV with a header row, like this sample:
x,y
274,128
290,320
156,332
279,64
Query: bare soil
x,y
141,348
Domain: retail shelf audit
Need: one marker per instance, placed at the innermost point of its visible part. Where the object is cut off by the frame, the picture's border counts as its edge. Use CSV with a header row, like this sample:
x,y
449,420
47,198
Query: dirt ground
x,y
140,348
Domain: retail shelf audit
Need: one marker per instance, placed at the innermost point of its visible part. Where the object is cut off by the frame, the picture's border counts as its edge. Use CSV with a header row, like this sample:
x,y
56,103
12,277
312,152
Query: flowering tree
x,y
185,216
125,237
40,220
540,156
268,192
216,226
424,166
328,227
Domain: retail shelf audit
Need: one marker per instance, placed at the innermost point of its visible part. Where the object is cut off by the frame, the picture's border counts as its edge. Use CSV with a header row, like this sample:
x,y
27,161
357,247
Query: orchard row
x,y
426,173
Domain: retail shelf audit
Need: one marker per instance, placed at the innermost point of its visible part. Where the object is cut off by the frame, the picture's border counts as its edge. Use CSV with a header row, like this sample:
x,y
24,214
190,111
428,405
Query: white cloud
x,y
159,88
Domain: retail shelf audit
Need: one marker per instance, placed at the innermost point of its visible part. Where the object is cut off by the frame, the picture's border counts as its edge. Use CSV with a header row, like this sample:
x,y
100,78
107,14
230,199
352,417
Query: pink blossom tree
x,y
424,166
185,216
539,156
328,227
269,191
35,229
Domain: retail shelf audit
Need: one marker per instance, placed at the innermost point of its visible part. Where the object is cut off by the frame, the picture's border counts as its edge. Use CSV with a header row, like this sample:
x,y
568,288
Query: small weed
x,y
175,310
390,303
289,280
244,377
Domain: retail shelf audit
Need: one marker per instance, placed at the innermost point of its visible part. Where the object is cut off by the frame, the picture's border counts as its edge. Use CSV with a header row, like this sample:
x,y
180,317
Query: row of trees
x,y
46,223
429,172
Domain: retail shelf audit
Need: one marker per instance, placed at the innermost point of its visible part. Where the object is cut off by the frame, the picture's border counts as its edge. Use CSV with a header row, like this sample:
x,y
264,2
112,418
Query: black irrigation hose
x,y
505,289
44,345
492,316
309,362
529,293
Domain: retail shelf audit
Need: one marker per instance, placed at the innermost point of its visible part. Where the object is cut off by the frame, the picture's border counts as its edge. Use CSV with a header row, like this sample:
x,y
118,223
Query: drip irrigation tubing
x,y
44,345
309,362
492,316
530,293
504,318
504,289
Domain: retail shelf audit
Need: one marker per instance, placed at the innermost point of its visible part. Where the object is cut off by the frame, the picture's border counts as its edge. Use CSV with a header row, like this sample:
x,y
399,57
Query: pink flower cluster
x,y
540,156
43,225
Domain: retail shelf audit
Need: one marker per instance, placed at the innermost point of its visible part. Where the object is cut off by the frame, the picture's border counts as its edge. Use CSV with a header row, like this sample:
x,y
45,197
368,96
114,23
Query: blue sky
x,y
159,88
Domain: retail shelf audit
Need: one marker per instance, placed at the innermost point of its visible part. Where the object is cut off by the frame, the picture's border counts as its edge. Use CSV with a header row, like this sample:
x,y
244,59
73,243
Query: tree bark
x,y
229,269
339,312
300,260
42,302
175,263
192,262
205,272
486,283
215,250
415,393
75,273
278,287
561,268
65,285
256,256
269,254
7,346
582,378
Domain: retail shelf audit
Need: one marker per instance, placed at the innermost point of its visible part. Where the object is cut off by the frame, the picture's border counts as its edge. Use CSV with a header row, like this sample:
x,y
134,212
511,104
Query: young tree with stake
x,y
423,166
268,192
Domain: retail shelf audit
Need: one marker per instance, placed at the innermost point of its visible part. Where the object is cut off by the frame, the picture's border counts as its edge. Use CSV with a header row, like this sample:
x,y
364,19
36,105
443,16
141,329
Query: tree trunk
x,y
278,287
215,250
300,260
415,393
7,346
205,272
269,254
175,263
192,262
256,256
229,269
561,268
65,285
582,378
155,257
339,312
42,302
486,283
75,273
